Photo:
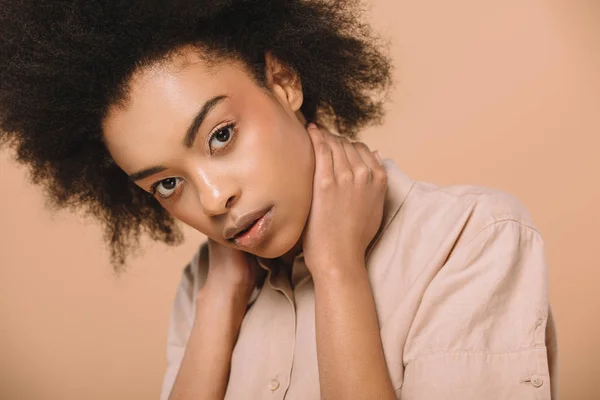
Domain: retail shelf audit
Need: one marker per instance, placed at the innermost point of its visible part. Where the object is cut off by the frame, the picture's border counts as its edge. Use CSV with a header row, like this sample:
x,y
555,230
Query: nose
x,y
217,194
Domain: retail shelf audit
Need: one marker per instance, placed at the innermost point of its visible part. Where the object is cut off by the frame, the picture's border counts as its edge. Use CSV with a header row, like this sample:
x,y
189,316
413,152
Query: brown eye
x,y
221,138
166,187
224,135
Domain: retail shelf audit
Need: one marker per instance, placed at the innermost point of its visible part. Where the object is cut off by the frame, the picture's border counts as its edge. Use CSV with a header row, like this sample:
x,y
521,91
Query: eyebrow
x,y
206,108
189,139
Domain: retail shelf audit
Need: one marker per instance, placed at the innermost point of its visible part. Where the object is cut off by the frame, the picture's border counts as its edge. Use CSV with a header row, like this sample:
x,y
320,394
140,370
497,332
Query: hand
x,y
347,205
231,273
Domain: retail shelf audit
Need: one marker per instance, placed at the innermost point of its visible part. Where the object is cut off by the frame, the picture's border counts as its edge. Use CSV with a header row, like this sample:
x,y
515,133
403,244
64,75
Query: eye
x,y
166,187
221,138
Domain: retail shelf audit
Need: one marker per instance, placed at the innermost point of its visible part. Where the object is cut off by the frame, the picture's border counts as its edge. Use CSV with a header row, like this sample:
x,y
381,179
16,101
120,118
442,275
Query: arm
x,y
346,211
199,356
481,329
349,350
205,366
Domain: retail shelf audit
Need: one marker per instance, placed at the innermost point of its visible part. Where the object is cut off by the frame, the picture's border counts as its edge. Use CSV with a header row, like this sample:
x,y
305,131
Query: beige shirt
x,y
460,282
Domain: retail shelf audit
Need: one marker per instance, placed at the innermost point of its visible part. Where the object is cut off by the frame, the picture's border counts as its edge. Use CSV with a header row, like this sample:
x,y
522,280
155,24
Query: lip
x,y
256,232
243,222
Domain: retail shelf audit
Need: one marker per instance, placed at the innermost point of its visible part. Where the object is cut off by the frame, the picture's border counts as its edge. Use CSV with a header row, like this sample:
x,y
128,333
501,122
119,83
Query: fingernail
x,y
378,157
311,126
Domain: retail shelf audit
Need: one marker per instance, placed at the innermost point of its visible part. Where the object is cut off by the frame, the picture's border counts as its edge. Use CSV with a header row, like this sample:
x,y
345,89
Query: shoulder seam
x,y
500,221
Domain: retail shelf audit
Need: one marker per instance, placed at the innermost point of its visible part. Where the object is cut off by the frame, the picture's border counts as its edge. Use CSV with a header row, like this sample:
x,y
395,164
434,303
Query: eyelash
x,y
155,185
230,125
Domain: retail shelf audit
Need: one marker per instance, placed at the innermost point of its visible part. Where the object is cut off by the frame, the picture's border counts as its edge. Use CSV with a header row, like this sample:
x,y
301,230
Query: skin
x,y
216,182
327,194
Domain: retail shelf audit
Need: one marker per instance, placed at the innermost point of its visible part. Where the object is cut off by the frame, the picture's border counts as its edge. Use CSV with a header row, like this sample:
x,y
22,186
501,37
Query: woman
x,y
327,272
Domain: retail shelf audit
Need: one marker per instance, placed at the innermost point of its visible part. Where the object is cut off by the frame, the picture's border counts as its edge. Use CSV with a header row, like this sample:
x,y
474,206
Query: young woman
x,y
327,273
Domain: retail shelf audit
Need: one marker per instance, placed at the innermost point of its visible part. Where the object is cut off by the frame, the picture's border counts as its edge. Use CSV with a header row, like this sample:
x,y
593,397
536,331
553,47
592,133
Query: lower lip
x,y
257,233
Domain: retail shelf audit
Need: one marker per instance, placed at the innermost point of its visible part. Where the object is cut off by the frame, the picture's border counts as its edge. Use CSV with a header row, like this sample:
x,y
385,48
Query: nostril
x,y
230,201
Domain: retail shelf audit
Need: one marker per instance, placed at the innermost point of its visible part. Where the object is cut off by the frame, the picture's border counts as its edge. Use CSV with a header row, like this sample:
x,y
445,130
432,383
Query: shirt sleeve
x,y
179,330
480,330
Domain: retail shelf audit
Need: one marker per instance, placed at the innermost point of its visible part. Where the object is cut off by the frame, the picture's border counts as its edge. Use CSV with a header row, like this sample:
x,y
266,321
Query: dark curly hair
x,y
63,63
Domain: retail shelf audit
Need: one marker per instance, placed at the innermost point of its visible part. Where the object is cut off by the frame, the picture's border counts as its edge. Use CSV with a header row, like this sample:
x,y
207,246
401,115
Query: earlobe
x,y
284,81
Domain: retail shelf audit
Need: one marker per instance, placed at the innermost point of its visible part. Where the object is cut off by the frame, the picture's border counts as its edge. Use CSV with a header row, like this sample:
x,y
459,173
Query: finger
x,y
353,155
371,160
366,155
323,155
360,167
378,157
341,166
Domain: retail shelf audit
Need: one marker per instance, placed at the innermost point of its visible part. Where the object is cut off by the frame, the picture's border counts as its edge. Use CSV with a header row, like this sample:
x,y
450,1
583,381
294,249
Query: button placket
x,y
281,379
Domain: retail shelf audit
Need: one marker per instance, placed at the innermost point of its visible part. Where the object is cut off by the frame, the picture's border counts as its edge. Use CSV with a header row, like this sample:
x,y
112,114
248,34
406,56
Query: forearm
x,y
349,351
204,370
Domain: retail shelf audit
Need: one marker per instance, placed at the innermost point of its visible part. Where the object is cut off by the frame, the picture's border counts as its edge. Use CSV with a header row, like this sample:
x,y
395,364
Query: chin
x,y
280,246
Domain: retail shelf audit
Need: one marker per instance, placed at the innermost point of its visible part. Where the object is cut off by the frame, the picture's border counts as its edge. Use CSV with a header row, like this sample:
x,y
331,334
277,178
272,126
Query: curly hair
x,y
63,63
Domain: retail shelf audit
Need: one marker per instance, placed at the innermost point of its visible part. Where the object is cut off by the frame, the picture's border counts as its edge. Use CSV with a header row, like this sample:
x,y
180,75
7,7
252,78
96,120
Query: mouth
x,y
255,232
245,230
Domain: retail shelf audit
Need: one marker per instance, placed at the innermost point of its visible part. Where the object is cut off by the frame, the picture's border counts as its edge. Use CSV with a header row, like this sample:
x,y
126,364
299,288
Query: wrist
x,y
220,304
342,269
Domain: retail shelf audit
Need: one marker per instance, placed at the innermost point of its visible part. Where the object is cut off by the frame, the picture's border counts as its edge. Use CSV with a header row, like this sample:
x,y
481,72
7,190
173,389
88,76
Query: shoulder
x,y
426,220
466,210
433,222
194,273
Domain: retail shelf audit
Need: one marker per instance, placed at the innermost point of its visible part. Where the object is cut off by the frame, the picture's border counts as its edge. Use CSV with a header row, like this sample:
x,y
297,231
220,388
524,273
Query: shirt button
x,y
537,381
274,385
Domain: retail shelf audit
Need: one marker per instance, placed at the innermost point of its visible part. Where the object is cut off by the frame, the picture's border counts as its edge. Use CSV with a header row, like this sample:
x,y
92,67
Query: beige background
x,y
503,94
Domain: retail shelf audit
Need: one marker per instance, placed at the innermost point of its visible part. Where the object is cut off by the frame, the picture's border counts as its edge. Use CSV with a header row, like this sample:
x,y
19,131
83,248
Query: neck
x,y
288,258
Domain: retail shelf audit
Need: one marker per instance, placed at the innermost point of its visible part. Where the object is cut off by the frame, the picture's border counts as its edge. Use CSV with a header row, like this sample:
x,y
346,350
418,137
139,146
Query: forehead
x,y
162,99
183,77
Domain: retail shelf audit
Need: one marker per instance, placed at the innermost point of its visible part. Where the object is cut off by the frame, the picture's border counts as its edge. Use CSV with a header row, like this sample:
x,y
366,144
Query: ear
x,y
284,82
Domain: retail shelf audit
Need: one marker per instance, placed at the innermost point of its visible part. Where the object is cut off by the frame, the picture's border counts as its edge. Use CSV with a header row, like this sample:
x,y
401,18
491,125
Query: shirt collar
x,y
399,186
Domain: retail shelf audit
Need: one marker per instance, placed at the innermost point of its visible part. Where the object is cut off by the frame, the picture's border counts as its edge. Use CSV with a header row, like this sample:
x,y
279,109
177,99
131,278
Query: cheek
x,y
188,210
296,171
292,144
299,157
